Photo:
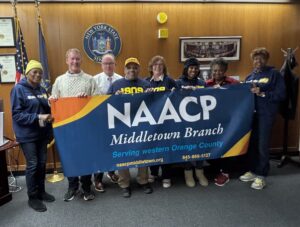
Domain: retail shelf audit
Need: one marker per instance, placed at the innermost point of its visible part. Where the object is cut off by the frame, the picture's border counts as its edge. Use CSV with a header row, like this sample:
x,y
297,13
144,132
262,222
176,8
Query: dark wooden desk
x,y
5,195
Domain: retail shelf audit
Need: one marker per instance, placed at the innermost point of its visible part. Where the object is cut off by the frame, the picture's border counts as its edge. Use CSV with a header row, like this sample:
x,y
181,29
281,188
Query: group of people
x,y
32,118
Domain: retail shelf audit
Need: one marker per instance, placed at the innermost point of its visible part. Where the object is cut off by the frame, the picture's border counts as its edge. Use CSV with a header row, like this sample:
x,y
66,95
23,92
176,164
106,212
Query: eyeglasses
x,y
107,63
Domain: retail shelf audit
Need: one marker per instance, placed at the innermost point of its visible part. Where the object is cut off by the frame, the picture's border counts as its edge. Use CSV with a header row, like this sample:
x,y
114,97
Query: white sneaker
x,y
166,183
248,176
151,178
259,183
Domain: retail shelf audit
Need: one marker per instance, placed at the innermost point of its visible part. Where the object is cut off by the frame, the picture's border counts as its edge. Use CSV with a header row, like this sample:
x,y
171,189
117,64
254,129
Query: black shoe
x,y
70,194
37,204
126,192
46,197
146,188
88,195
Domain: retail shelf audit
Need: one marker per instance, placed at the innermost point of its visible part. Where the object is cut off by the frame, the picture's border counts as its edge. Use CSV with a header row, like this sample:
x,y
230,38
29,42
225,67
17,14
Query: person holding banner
x,y
190,75
218,71
190,80
32,125
104,80
129,85
160,81
75,83
269,89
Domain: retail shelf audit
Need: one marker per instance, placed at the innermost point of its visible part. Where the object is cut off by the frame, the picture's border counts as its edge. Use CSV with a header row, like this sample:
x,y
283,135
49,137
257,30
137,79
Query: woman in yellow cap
x,y
32,125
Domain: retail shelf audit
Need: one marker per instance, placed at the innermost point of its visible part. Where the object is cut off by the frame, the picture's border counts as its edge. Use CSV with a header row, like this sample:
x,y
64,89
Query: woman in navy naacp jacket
x,y
190,75
160,82
32,126
269,89
190,80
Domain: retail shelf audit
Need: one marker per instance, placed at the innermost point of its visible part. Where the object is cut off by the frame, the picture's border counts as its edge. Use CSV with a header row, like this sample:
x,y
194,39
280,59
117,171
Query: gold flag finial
x,y
14,4
37,5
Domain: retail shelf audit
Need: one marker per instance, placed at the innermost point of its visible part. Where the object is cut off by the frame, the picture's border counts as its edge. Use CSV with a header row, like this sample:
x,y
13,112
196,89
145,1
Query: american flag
x,y
21,55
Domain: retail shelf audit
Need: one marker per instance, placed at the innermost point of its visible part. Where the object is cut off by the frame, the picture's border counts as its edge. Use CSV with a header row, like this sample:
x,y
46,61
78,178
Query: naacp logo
x,y
101,39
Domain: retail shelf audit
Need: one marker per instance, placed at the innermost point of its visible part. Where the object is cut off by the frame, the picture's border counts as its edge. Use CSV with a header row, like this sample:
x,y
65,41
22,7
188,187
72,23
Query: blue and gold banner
x,y
103,133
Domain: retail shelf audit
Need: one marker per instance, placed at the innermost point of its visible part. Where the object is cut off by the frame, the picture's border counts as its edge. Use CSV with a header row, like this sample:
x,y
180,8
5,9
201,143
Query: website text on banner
x,y
104,133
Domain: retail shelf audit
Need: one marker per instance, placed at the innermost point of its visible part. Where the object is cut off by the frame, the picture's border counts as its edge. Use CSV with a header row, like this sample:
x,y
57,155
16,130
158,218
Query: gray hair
x,y
73,50
110,55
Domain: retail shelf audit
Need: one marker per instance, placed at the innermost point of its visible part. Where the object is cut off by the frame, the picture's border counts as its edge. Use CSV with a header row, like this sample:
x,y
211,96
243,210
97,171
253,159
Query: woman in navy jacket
x,y
160,82
269,89
190,80
32,126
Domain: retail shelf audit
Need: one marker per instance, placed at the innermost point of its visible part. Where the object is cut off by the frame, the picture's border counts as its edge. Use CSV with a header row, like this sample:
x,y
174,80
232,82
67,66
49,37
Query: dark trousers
x,y
195,164
35,154
258,153
165,171
223,164
85,183
99,176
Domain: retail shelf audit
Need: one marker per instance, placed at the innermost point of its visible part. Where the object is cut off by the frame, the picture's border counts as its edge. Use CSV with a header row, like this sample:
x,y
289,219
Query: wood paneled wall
x,y
274,26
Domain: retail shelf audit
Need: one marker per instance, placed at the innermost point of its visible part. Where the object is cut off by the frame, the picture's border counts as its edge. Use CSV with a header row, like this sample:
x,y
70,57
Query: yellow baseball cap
x,y
132,60
33,64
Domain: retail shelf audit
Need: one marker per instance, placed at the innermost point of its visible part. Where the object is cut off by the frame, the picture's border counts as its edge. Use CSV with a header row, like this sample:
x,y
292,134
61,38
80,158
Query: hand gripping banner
x,y
110,132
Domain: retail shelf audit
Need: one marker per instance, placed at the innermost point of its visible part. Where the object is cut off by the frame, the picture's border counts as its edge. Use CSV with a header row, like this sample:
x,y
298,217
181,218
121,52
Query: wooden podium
x,y
5,195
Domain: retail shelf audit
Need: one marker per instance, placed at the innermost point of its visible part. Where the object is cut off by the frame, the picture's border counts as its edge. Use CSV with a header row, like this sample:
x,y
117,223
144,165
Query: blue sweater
x,y
183,81
271,82
129,86
166,84
25,109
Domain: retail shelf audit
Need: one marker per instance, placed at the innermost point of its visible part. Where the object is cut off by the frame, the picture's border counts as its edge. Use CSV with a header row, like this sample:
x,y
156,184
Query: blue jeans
x,y
35,155
258,152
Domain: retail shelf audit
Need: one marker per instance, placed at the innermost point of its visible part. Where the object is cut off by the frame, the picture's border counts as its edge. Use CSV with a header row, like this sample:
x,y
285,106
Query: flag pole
x,y
55,177
37,5
14,3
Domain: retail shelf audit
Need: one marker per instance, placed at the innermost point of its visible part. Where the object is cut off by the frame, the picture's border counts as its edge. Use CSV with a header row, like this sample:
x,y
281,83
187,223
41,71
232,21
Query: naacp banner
x,y
110,132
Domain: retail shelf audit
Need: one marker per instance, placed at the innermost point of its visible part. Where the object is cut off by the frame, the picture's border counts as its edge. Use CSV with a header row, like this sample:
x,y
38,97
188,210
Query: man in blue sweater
x,y
131,84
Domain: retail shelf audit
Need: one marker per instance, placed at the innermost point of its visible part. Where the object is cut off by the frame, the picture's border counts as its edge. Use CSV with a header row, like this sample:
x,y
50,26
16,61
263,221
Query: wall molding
x,y
166,1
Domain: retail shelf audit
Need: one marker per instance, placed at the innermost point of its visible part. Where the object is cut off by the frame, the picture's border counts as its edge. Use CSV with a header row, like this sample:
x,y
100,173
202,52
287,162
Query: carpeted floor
x,y
233,205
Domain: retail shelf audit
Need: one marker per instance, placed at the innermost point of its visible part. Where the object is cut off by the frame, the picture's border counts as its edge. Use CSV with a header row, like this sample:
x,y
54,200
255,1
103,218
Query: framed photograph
x,y
7,68
7,32
206,49
205,73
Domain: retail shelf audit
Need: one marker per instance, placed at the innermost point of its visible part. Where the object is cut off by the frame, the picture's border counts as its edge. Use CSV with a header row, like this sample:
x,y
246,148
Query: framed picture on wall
x,y
7,32
205,73
208,48
7,68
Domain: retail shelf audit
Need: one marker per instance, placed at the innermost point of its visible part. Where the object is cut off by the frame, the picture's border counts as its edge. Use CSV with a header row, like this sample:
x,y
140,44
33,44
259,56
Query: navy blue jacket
x,y
271,82
196,82
129,86
25,109
166,84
